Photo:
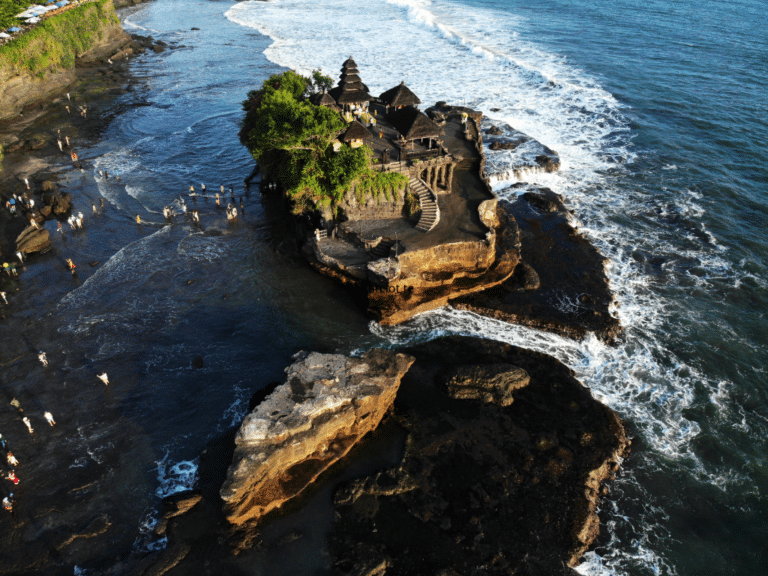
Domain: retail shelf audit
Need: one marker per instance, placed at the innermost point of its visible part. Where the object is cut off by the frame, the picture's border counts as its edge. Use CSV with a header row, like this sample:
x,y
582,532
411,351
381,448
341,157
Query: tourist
x,y
15,404
2,441
20,255
31,203
202,188
103,378
93,207
101,201
32,222
8,503
28,424
192,190
79,219
72,223
43,358
12,477
49,418
26,182
11,459
71,266
217,198
7,268
138,219
222,189
2,295
61,145
59,228
13,269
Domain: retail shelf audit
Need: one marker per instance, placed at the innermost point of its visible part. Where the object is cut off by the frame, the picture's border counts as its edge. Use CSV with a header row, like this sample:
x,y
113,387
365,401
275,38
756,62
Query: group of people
x,y
76,222
10,458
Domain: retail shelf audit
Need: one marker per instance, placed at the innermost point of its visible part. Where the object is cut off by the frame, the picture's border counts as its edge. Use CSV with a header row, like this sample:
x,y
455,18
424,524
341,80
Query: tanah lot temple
x,y
442,237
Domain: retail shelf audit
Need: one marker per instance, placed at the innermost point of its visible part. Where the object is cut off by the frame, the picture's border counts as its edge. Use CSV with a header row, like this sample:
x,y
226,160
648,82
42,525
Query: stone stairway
x,y
430,213
382,249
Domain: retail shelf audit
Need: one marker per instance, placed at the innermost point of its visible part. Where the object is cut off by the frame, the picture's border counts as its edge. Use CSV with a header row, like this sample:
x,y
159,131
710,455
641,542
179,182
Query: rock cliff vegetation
x,y
42,61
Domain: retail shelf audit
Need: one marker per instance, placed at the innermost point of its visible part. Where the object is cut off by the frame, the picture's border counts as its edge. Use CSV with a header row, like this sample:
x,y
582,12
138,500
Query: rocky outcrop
x,y
328,402
560,284
99,35
495,383
59,203
33,240
509,487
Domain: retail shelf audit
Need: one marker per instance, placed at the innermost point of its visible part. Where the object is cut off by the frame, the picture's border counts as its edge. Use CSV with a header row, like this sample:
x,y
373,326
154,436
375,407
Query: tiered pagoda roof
x,y
351,89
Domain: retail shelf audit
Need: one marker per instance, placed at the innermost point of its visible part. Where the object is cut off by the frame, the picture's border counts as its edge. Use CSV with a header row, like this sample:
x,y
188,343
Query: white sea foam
x,y
175,477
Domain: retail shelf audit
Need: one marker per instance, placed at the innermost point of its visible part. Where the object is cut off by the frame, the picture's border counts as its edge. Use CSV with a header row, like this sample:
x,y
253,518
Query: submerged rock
x,y
327,404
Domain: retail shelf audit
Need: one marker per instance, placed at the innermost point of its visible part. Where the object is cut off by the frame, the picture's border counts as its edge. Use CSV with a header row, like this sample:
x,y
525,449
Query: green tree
x,y
291,138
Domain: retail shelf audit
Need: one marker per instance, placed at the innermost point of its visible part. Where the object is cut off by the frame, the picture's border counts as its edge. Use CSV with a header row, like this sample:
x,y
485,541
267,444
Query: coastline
x,y
48,155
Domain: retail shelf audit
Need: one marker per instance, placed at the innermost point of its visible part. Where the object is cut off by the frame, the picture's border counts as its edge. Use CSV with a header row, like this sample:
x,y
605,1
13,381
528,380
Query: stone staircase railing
x,y
430,212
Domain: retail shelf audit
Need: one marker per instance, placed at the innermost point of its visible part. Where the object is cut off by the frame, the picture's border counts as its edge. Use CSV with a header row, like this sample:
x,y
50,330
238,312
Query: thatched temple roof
x,y
400,95
356,131
322,99
413,124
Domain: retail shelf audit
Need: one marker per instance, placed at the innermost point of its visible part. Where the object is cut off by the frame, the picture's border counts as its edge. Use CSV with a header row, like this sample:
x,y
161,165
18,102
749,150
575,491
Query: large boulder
x,y
33,240
327,404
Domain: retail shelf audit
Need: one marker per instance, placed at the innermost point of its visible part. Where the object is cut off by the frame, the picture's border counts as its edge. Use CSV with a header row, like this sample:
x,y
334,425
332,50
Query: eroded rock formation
x,y
509,487
328,402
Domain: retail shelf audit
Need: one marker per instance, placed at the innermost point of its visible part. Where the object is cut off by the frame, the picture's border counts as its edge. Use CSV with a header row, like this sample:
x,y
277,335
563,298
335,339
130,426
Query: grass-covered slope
x,y
57,41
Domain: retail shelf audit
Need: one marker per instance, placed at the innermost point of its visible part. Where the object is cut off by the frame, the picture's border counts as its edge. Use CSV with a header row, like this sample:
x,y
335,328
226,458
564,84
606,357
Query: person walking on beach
x,y
15,404
59,228
20,255
11,459
2,441
8,502
79,219
13,269
28,424
49,418
72,223
103,378
93,207
43,358
202,188
71,266
7,268
217,199
138,219
12,477
101,201
32,222
2,295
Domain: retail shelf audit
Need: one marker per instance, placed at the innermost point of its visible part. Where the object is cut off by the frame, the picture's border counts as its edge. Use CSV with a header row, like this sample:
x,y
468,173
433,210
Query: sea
x,y
659,113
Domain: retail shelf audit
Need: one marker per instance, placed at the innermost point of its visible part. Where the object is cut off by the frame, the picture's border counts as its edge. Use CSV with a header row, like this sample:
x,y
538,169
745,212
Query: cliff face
x,y
327,404
42,61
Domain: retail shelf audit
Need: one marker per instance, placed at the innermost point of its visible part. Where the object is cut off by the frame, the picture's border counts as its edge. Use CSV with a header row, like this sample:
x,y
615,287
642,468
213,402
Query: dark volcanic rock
x,y
505,144
489,383
512,489
563,288
494,131
197,362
